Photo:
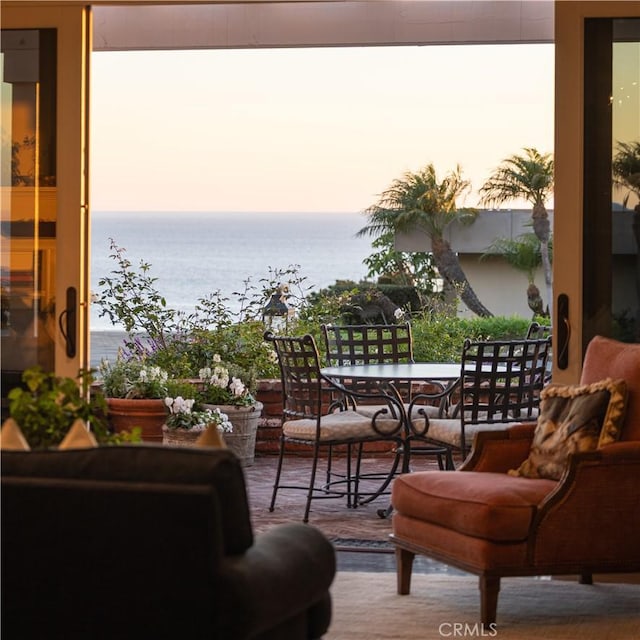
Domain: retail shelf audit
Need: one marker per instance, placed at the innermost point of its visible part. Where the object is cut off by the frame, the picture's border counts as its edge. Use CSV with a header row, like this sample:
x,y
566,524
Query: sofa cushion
x,y
340,426
155,464
211,437
12,438
449,430
573,419
493,506
78,437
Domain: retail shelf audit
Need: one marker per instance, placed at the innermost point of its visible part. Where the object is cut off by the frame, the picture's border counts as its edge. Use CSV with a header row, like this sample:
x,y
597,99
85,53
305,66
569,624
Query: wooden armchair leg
x,y
404,567
489,589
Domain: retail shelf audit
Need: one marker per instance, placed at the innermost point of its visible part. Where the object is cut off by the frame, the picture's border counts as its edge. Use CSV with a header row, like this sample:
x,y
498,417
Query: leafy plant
x,y
180,343
131,298
133,379
223,384
184,414
47,405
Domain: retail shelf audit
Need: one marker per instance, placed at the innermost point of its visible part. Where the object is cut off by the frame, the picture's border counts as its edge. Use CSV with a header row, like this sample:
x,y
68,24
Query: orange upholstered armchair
x,y
488,519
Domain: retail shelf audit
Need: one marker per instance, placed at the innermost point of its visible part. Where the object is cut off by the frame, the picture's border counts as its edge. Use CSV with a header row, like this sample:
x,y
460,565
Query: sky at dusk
x,y
307,129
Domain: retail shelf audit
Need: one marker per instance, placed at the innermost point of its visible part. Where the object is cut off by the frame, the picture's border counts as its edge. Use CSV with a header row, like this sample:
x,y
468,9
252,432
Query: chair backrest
x,y
302,387
369,344
501,380
608,358
537,330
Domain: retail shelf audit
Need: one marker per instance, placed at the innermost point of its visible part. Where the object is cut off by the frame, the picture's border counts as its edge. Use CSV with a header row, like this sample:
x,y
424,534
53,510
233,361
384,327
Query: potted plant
x,y
135,393
47,405
223,387
187,421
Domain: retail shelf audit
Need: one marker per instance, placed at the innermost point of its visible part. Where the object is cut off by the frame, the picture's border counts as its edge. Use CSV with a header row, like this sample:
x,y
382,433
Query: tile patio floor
x,y
339,523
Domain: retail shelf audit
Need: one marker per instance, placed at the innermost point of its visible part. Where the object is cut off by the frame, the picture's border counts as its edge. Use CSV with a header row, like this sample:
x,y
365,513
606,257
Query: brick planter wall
x,y
269,392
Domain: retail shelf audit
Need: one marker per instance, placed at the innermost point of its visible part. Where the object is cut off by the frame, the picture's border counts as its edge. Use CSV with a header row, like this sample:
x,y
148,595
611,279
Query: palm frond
x,y
528,176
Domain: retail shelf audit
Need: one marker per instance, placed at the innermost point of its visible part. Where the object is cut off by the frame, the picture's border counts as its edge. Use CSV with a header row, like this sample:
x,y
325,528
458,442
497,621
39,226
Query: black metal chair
x,y
500,384
310,417
379,344
369,344
537,331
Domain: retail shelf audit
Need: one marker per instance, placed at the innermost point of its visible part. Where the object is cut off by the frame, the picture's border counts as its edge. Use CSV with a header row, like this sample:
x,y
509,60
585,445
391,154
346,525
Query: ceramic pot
x,y
147,414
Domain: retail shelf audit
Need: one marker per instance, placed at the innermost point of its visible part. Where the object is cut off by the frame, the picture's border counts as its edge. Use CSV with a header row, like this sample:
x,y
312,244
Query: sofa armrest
x,y
599,493
287,570
499,451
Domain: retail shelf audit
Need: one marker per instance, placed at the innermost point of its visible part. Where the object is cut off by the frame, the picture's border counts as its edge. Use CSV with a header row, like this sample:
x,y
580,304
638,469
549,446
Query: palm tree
x,y
528,176
626,174
418,200
522,253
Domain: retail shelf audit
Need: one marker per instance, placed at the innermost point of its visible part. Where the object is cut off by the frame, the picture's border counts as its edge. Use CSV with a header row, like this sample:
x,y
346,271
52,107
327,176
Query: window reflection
x,y
625,115
29,201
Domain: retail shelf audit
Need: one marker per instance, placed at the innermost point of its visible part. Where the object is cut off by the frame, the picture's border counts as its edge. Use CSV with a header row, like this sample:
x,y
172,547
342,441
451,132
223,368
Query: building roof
x,y
120,25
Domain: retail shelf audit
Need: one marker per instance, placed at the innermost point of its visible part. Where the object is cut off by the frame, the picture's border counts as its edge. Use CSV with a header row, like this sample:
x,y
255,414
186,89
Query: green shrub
x,y
438,337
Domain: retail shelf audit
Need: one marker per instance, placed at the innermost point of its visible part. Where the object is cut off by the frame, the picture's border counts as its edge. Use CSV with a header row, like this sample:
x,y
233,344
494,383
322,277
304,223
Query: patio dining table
x,y
385,376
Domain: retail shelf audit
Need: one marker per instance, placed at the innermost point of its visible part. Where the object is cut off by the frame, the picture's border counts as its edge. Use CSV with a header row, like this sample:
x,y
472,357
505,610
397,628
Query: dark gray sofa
x,y
144,541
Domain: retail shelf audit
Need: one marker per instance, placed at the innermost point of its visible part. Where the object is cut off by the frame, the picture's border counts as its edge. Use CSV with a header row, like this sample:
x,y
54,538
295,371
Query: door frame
x,y
569,205
74,46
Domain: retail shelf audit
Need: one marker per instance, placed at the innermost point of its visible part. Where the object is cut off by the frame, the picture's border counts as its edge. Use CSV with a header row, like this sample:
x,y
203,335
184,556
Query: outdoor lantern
x,y
276,313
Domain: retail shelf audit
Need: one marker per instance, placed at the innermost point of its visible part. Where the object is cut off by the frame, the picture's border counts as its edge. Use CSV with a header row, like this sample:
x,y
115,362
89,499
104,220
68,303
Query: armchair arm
x,y
499,451
284,574
592,517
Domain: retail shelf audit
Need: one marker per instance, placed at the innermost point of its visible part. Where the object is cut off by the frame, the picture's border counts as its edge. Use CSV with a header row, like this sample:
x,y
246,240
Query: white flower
x,y
398,313
179,404
143,376
222,420
220,377
216,357
204,373
236,387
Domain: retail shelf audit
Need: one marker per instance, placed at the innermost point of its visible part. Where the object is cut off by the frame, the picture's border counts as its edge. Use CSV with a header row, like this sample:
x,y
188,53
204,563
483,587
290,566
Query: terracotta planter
x,y
242,440
148,415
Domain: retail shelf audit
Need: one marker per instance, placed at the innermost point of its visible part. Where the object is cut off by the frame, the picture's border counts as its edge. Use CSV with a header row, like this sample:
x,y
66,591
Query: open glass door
x,y
44,231
611,278
596,235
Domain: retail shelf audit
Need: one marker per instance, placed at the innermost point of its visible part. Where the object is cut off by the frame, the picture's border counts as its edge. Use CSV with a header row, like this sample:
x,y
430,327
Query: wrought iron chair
x,y
369,344
536,331
311,418
500,384
378,344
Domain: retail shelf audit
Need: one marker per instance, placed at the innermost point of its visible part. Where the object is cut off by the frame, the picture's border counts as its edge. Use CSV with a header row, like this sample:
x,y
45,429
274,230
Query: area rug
x,y
366,607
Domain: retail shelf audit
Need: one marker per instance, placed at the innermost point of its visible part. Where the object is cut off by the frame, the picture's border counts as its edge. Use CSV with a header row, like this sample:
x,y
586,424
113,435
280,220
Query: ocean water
x,y
194,254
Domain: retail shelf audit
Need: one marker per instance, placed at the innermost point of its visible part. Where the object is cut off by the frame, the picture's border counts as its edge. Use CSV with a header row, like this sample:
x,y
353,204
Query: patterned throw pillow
x,y
572,419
